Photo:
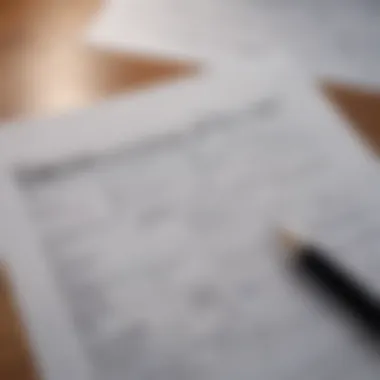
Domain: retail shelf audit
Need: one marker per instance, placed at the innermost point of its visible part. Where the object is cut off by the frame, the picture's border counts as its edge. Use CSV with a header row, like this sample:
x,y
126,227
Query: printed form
x,y
141,234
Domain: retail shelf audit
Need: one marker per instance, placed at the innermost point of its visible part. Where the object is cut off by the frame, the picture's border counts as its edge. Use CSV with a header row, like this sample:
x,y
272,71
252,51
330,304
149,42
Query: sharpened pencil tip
x,y
289,240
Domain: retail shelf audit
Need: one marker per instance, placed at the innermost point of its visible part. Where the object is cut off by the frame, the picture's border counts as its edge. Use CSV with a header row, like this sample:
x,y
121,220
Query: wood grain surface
x,y
44,70
361,107
16,361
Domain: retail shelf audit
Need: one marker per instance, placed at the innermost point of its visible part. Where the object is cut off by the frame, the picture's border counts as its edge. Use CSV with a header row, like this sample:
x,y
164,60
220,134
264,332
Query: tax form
x,y
140,235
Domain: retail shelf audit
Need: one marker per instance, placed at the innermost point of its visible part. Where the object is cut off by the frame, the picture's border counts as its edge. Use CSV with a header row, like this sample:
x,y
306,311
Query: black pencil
x,y
335,281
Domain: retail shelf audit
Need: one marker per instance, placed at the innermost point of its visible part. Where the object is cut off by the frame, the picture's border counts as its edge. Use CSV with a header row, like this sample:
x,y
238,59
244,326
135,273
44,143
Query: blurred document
x,y
198,29
141,234
345,48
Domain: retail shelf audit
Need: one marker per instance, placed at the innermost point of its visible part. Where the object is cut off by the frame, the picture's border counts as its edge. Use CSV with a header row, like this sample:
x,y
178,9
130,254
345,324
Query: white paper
x,y
203,30
154,257
333,39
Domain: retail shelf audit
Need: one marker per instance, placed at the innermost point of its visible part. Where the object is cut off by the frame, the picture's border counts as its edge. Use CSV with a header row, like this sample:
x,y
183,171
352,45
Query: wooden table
x,y
28,67
45,69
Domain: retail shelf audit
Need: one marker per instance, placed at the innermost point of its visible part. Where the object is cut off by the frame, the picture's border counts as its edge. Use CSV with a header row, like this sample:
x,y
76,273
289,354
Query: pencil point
x,y
289,240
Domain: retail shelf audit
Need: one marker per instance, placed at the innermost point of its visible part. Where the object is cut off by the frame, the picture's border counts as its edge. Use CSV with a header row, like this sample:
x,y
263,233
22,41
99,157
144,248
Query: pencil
x,y
338,283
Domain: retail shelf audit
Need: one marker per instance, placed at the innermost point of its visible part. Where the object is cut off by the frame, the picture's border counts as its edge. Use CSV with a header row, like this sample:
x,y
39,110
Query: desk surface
x,y
114,73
